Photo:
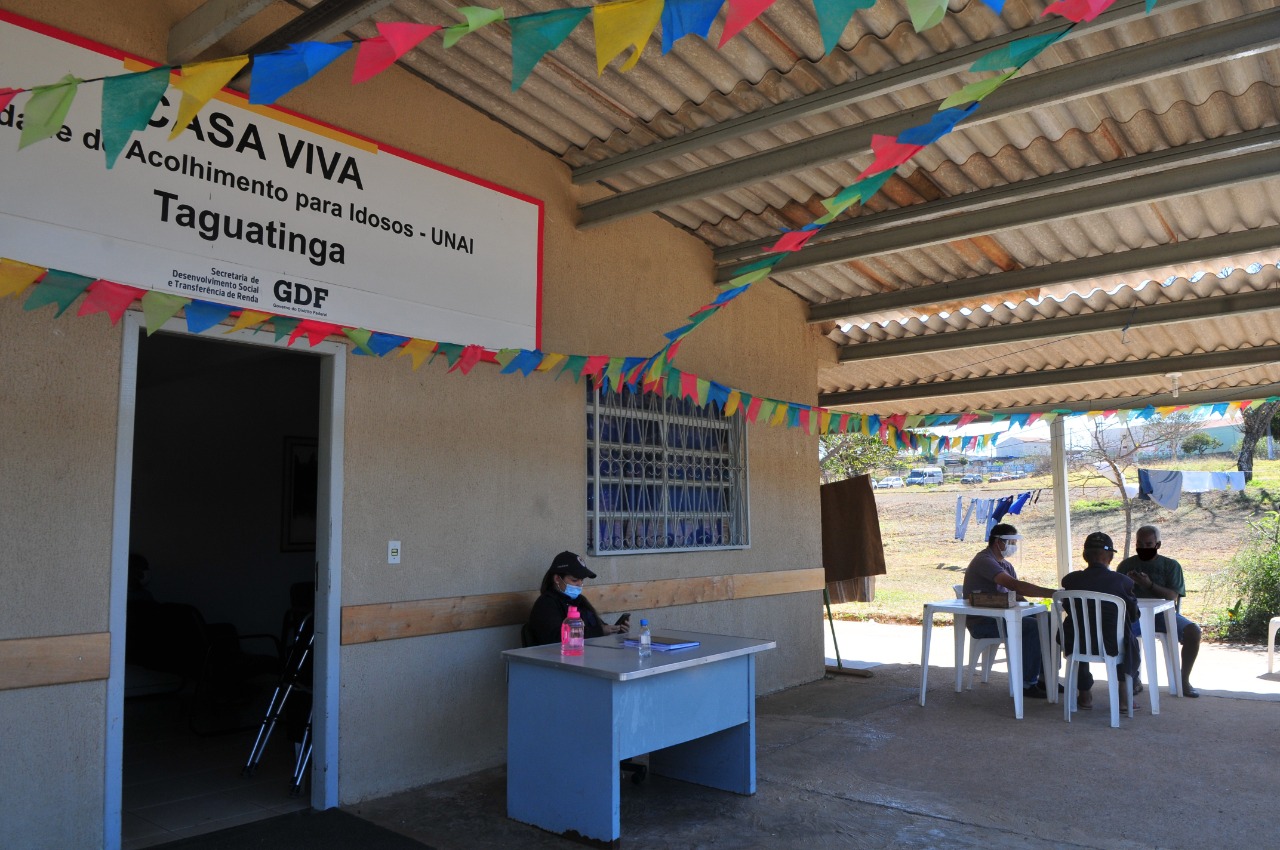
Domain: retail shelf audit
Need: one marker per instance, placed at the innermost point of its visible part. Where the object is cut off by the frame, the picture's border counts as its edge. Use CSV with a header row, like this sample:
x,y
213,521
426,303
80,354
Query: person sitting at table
x,y
1157,577
562,587
1100,578
990,571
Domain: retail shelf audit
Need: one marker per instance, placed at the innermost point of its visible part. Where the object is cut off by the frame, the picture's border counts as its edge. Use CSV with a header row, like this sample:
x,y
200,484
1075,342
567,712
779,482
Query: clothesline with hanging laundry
x,y
990,511
1166,486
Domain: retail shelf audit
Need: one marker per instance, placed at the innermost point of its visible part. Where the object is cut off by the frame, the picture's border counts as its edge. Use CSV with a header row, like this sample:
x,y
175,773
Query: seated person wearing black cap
x,y
562,587
1098,577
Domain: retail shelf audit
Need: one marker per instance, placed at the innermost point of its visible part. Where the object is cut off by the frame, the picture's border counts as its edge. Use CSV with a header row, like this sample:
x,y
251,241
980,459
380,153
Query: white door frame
x,y
324,763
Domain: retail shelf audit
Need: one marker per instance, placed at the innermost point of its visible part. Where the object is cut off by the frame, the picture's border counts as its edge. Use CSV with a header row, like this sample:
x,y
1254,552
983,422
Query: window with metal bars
x,y
663,475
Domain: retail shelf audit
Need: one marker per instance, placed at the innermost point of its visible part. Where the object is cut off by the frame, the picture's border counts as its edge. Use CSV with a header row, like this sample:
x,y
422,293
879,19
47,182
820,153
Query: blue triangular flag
x,y
202,315
277,74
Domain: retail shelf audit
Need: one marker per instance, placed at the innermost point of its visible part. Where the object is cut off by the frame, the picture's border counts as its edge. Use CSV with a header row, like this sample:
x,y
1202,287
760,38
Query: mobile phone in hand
x,y
625,619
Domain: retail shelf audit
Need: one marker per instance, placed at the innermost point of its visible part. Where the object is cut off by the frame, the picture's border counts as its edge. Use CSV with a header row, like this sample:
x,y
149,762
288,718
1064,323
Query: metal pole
x,y
1061,496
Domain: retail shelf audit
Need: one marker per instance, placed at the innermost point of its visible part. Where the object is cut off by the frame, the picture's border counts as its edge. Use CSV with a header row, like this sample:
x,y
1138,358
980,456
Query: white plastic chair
x,y
984,648
1271,644
1088,646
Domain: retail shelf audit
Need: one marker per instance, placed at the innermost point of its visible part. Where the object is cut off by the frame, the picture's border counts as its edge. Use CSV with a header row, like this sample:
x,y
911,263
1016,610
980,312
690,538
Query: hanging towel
x,y
1160,486
962,525
1019,502
1197,482
1002,507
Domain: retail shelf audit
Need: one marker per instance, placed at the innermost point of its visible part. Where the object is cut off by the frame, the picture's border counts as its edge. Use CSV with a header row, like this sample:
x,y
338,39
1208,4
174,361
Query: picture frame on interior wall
x,y
298,505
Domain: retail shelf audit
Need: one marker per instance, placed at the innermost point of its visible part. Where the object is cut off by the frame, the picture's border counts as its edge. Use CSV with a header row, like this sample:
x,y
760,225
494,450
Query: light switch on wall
x,y
393,552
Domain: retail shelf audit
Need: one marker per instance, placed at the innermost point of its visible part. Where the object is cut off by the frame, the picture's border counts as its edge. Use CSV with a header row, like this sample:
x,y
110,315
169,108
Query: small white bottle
x,y
646,640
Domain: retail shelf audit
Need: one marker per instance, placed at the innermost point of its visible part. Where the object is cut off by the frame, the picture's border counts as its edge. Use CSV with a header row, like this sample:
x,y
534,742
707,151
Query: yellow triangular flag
x,y
418,349
249,319
15,277
624,24
731,406
549,362
200,82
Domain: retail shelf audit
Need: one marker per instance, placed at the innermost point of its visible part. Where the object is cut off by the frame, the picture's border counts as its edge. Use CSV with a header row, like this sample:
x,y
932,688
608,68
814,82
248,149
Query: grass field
x,y
924,559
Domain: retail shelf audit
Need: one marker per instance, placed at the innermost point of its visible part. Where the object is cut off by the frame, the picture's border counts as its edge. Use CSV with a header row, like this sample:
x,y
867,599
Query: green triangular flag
x,y
160,307
57,287
360,337
46,110
533,36
127,104
834,16
477,17
284,326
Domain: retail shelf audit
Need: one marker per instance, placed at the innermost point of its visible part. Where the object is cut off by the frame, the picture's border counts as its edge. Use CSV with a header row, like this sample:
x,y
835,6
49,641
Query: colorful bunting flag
x,y
1078,10
394,39
418,349
926,14
360,336
794,240
7,95
976,91
128,102
889,154
741,13
160,307
623,24
276,74
248,319
1015,54
199,83
689,17
202,315
57,287
466,359
283,327
15,277
477,17
46,109
382,344
834,17
533,36
941,123
114,299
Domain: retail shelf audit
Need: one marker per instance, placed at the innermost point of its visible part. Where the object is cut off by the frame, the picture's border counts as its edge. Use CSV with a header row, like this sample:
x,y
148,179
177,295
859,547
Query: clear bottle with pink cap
x,y
572,633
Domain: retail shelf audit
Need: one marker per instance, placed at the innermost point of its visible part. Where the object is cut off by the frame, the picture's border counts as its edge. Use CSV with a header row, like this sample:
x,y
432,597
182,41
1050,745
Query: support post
x,y
1061,496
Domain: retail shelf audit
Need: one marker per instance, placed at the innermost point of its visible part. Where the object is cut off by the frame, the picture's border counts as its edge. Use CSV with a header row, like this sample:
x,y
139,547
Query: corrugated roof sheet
x,y
585,118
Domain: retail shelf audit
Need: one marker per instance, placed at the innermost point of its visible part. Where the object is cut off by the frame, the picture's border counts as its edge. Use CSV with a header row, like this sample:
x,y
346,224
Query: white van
x,y
925,475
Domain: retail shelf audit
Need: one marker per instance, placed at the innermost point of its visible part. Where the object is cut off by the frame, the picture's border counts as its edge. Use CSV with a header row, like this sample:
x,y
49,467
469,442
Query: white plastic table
x,y
692,710
960,610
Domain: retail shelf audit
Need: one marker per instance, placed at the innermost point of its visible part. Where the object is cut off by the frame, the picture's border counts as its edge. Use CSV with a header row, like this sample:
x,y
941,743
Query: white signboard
x,y
264,210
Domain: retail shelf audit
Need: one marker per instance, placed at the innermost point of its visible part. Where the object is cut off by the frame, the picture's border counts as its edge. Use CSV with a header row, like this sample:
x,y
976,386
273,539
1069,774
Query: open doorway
x,y
228,450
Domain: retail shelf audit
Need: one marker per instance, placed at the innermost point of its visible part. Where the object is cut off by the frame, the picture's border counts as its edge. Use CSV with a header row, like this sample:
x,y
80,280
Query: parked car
x,y
925,475
889,482
971,478
999,476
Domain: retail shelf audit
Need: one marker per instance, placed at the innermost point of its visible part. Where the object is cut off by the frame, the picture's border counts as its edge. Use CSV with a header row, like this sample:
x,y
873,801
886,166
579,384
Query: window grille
x,y
663,475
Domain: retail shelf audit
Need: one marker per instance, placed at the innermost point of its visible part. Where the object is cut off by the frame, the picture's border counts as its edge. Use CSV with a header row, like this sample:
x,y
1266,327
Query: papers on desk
x,y
664,643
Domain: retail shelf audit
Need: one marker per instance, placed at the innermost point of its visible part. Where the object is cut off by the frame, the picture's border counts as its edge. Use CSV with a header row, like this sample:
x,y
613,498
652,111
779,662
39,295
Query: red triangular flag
x,y
890,153
103,296
395,39
315,332
793,240
468,359
741,13
7,95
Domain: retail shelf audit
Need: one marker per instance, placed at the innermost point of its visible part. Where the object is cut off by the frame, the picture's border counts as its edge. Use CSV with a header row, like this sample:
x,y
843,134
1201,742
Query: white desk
x,y
693,710
1147,611
960,609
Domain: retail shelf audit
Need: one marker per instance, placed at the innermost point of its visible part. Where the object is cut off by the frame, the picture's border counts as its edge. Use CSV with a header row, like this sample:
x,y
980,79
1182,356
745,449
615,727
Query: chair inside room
x,y
1090,645
983,649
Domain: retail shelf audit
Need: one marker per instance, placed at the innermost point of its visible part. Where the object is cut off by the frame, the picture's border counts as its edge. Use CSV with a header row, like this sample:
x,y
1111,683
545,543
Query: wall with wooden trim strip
x,y
393,620
32,662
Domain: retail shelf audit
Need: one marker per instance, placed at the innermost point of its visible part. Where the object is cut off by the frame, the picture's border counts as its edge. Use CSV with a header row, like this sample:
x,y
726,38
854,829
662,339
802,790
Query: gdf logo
x,y
299,294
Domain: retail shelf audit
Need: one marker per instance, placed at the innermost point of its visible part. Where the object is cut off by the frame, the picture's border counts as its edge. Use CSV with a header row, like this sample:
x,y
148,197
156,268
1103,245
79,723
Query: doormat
x,y
308,830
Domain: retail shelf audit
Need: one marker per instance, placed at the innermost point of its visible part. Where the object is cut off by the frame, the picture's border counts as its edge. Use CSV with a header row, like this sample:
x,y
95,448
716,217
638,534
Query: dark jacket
x,y
1100,579
551,609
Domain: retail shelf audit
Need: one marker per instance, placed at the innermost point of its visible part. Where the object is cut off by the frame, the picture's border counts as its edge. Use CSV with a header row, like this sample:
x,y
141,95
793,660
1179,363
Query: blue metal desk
x,y
571,720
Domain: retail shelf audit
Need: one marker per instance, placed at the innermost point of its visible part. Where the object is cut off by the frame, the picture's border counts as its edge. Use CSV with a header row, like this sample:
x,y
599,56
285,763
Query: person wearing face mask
x,y
990,571
1157,577
562,587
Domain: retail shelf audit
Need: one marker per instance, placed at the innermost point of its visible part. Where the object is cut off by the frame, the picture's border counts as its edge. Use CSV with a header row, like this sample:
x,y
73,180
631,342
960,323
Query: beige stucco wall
x,y
480,477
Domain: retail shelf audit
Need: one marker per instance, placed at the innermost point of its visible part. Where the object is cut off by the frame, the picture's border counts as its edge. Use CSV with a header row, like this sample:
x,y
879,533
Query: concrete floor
x,y
854,762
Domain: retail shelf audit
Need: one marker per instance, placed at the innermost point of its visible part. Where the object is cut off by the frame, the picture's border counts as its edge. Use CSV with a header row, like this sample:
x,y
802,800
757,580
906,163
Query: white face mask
x,y
1010,548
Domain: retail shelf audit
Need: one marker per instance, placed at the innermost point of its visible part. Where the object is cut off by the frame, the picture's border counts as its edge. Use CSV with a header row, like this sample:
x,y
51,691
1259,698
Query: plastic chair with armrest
x,y
984,648
1089,645
1271,644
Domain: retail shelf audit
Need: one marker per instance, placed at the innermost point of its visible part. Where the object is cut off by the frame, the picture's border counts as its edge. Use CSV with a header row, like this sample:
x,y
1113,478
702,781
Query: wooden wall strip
x,y
31,662
393,620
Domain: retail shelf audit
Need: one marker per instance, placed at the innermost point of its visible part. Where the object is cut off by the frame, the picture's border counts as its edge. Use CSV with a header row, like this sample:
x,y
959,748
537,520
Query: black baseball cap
x,y
1099,540
570,564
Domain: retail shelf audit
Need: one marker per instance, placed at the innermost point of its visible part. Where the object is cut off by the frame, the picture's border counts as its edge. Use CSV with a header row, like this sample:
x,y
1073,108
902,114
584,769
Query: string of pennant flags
x,y
61,289
130,99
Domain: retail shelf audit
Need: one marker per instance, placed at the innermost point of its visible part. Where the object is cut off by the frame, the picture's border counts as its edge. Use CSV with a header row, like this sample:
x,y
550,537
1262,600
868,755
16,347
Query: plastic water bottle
x,y
646,640
572,633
